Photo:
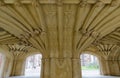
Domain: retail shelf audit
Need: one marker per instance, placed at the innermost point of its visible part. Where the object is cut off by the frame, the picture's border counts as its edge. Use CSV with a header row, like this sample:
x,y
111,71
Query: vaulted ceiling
x,y
59,24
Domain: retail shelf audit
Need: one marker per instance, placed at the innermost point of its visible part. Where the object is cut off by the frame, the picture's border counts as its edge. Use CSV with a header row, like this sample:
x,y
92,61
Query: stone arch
x,y
27,56
32,53
90,52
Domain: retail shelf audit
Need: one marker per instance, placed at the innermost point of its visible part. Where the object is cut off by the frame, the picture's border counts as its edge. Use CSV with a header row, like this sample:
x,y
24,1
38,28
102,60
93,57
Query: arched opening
x,y
33,65
89,65
2,62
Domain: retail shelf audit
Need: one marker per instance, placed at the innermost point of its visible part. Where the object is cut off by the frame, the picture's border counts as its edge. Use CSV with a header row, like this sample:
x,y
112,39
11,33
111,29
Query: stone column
x,y
13,67
114,67
61,68
17,69
108,64
5,68
45,68
110,67
107,67
104,64
77,68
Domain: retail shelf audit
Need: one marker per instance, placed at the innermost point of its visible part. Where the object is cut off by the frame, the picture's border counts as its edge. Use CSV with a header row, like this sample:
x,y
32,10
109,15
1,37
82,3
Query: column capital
x,y
60,58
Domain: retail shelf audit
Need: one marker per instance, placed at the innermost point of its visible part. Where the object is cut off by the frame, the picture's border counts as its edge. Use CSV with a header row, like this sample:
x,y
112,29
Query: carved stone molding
x,y
34,33
99,3
35,3
83,3
115,3
106,47
54,1
18,48
59,3
17,3
91,33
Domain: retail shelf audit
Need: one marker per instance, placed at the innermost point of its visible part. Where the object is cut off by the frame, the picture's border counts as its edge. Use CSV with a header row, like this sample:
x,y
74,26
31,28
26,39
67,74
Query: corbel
x,y
99,3
83,3
35,3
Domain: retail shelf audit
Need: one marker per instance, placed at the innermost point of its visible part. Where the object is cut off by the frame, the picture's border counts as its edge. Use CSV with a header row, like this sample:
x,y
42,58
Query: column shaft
x,y
61,68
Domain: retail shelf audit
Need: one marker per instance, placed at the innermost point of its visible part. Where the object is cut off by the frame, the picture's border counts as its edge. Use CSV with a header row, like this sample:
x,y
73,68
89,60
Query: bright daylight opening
x,y
33,65
89,65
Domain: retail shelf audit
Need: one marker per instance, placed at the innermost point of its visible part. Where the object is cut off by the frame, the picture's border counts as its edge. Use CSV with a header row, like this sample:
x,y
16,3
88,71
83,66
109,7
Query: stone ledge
x,y
55,1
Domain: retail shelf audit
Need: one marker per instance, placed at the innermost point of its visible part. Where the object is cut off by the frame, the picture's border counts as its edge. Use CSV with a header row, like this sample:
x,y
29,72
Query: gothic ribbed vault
x,y
60,28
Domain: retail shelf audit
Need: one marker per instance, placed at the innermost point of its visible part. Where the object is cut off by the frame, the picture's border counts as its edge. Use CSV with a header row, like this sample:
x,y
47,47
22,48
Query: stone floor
x,y
100,77
32,71
82,77
85,73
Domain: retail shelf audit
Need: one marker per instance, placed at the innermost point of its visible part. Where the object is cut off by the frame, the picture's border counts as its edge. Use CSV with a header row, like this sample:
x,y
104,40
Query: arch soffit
x,y
92,51
30,54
